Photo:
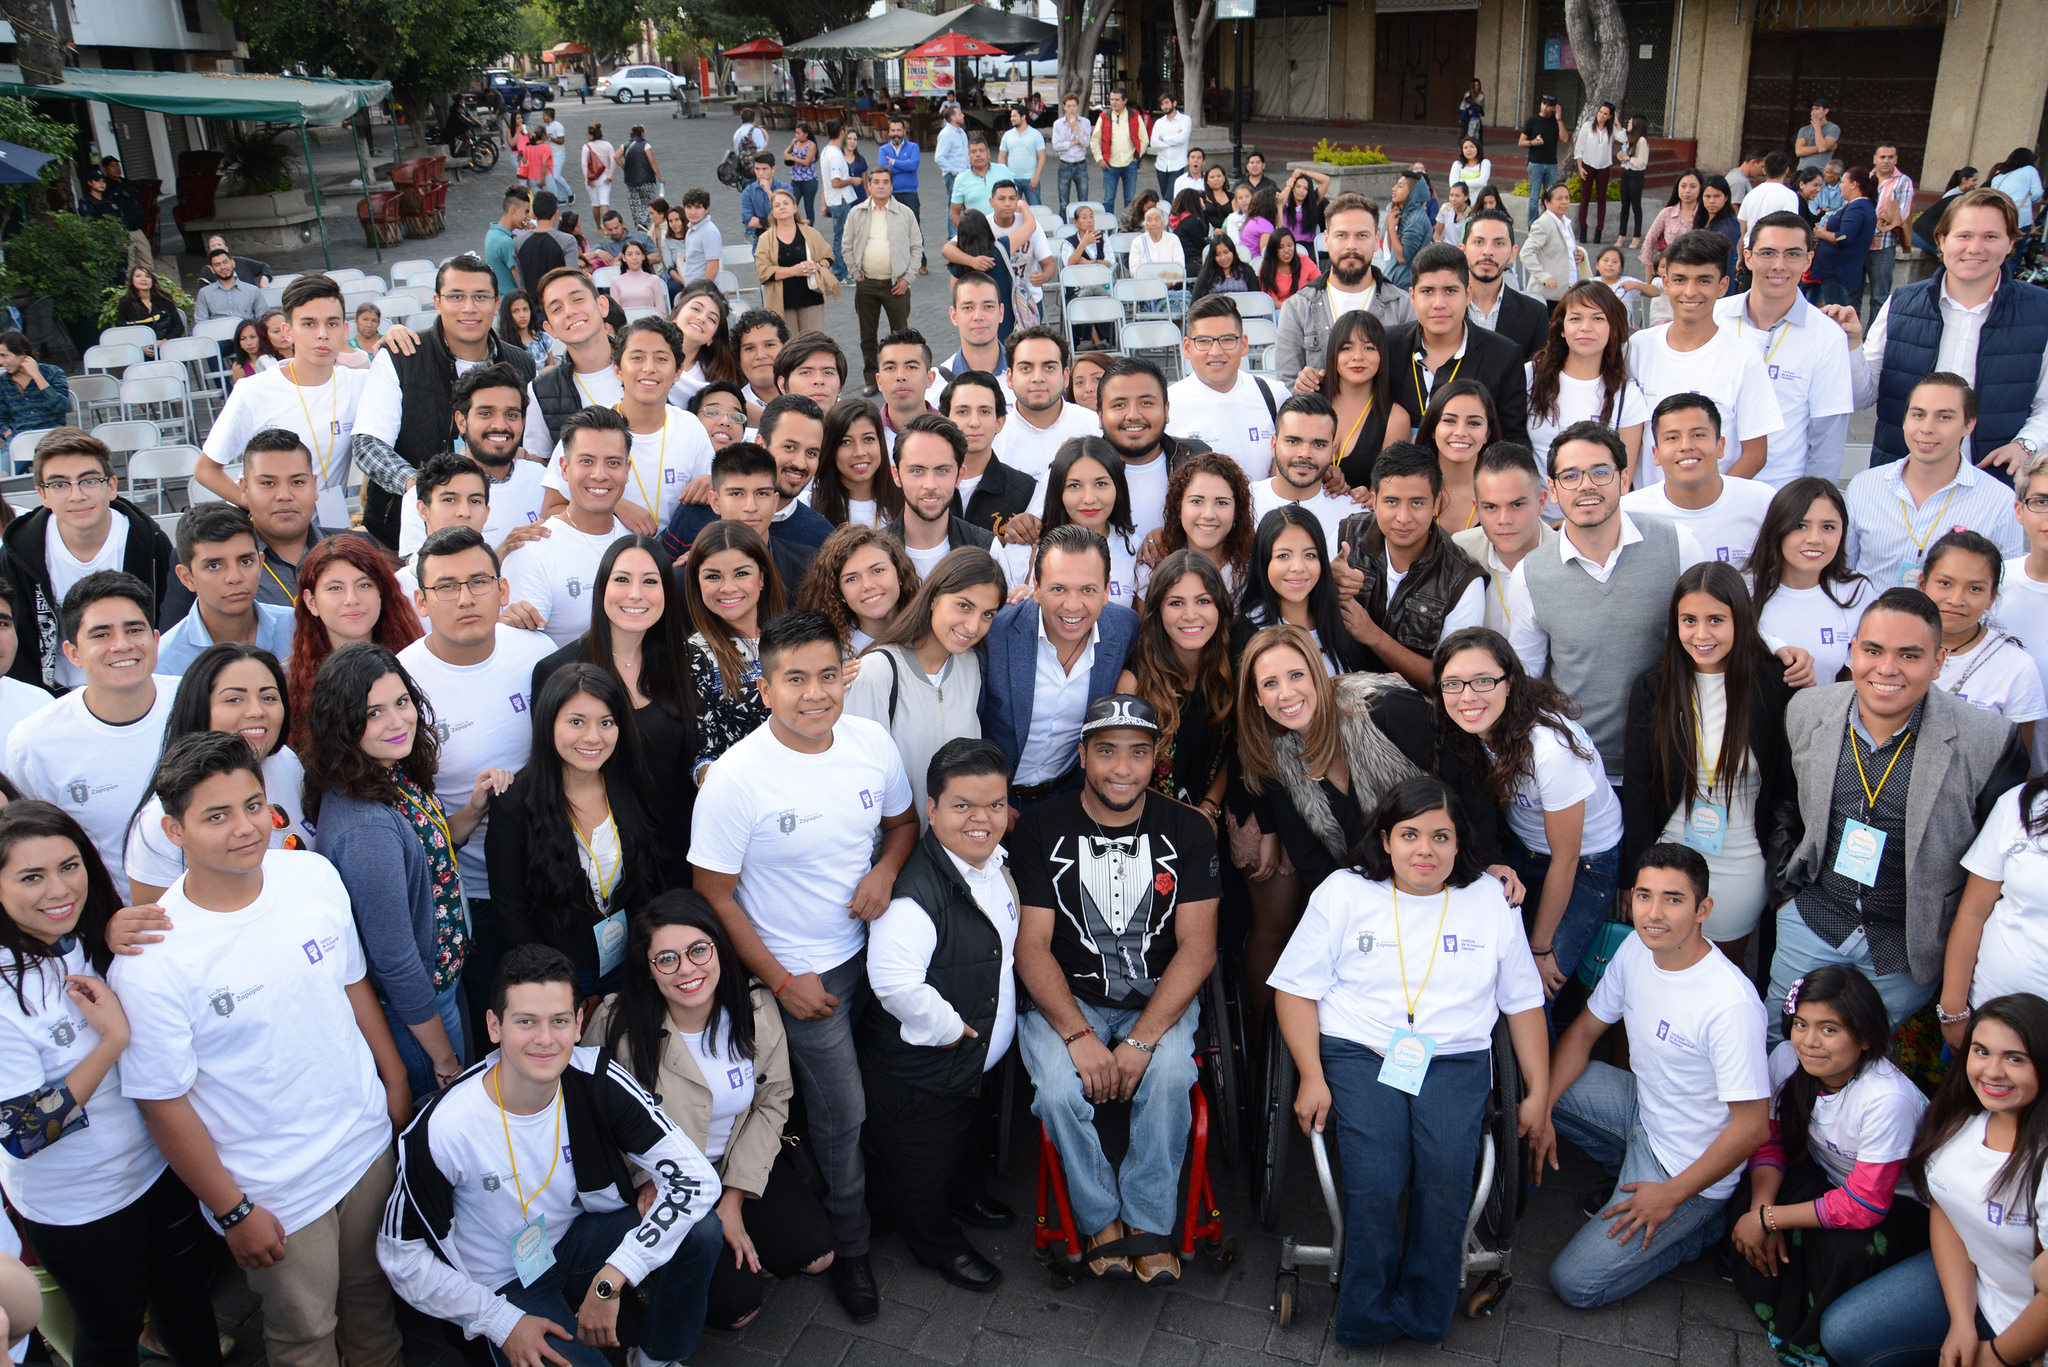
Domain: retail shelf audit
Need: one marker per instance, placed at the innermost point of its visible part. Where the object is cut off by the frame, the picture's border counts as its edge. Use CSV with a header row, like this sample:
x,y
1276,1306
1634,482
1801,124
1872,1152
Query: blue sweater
x,y
391,890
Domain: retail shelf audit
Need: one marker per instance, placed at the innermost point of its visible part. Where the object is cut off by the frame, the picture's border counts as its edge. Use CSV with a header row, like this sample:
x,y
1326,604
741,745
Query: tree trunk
x,y
1192,32
1080,31
42,30
1599,39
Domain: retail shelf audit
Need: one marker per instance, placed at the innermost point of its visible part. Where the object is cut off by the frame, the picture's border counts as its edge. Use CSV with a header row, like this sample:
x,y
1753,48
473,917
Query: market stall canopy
x,y
252,97
560,50
895,32
758,47
954,45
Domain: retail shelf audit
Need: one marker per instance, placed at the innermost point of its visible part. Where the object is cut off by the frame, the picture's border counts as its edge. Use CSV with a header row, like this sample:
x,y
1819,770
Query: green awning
x,y
252,97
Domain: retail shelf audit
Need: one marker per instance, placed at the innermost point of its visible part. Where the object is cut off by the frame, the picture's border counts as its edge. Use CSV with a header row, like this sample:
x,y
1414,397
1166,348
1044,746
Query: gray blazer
x,y
1964,759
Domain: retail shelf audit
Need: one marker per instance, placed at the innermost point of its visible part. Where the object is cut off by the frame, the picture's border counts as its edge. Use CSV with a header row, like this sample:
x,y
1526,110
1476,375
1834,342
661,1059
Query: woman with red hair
x,y
347,592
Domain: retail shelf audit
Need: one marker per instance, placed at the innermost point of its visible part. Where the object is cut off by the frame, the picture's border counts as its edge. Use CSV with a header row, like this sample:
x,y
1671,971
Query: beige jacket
x,y
756,1136
816,248
1547,252
906,239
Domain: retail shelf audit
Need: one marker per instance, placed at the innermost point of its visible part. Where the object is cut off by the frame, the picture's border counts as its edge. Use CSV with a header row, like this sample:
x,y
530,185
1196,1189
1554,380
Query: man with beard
x,y
1442,345
1041,420
489,407
1350,232
1495,305
929,453
1134,409
1116,936
793,431
993,495
1304,444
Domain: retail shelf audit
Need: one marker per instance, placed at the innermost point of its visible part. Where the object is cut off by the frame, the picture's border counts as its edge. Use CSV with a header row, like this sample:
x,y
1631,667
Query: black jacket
x,y
1003,493
1493,360
959,531
1432,587
1524,320
38,628
426,424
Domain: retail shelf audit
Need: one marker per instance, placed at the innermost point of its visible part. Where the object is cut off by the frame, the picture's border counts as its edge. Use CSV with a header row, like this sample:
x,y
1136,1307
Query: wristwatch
x,y
606,1289
2026,446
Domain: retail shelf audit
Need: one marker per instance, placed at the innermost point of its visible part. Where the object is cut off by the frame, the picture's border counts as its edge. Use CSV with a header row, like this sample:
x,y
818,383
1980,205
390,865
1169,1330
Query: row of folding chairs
x,y
141,457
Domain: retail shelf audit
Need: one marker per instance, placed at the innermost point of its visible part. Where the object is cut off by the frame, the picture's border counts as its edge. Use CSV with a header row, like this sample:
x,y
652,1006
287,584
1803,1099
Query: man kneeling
x,y
488,1231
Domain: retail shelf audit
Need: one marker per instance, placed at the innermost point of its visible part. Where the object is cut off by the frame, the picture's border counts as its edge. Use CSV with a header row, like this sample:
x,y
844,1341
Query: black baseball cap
x,y
1546,99
1120,711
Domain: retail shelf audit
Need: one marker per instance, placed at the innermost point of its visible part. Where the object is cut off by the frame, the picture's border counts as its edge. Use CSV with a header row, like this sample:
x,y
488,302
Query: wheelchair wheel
x,y
1504,1200
1220,1067
1276,1125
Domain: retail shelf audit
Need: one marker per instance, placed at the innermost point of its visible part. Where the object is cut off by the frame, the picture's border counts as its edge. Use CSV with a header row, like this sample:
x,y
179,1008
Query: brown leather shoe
x,y
1157,1269
1109,1269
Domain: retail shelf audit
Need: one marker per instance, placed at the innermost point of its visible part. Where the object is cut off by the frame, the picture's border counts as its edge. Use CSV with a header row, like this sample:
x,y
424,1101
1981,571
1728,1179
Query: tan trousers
x,y
328,1303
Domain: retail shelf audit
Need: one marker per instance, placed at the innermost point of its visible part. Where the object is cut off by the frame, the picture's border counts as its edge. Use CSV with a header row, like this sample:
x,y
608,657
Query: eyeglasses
x,y
1226,341
668,961
1600,476
2036,504
458,300
708,413
86,484
1451,688
477,585
1771,255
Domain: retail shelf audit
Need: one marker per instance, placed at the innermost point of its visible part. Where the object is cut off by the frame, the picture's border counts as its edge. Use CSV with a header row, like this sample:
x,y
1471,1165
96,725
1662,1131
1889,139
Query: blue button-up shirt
x,y
951,153
182,644
754,204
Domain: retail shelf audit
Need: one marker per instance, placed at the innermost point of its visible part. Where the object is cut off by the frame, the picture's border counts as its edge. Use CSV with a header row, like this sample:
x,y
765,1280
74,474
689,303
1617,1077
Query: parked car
x,y
517,91
637,83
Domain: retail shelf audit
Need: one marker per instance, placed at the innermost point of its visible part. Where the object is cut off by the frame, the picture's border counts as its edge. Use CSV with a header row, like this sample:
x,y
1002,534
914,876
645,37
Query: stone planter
x,y
256,223
1374,182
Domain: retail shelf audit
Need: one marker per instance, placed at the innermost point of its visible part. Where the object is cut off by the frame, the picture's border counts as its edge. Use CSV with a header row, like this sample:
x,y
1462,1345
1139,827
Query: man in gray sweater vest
x,y
1591,613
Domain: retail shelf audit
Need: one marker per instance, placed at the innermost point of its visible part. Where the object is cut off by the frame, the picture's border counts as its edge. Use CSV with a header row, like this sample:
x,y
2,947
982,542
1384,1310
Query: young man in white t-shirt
x,y
1723,512
489,406
307,395
1131,400
671,450
1691,352
509,1218
784,841
2022,606
1041,419
262,1061
1699,1087
557,573
1508,494
1235,413
90,751
1304,446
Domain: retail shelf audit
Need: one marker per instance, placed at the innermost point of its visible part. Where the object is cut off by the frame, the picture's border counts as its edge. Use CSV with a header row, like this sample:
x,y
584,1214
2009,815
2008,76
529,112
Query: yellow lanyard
x,y
645,501
290,596
581,387
1402,959
431,810
554,1149
1356,428
1786,324
1870,794
334,425
1906,516
604,884
1699,745
1502,598
1422,398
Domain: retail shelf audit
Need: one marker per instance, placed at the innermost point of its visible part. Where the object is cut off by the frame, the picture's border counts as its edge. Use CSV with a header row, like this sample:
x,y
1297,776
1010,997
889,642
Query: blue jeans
x,y
1028,190
1073,182
673,1293
1391,1142
1114,176
1800,951
419,1069
1877,275
806,197
839,213
1896,1319
949,175
1600,1115
1166,180
558,186
1542,175
1835,292
1592,895
822,1056
1146,1189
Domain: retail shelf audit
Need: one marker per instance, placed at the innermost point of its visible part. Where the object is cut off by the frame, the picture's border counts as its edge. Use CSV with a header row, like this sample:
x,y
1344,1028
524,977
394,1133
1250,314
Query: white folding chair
x,y
1255,304
197,493
1141,297
1047,216
1117,246
128,436
160,399
157,466
1156,341
728,285
1094,204
603,276
21,448
92,395
419,322
278,282
738,261
217,329
403,302
1094,312
343,276
359,292
135,334
636,313
272,296
108,359
154,370
206,377
419,279
1088,279
1261,335
410,267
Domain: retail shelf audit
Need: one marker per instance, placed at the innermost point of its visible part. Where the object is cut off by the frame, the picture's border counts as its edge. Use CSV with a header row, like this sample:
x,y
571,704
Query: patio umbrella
x,y
955,45
759,47
19,165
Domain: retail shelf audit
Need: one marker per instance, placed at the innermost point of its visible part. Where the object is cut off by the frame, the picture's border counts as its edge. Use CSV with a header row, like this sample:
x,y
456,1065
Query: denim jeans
x,y
1800,951
1592,895
1114,176
949,175
1166,180
1895,1319
1073,182
419,1069
806,198
1145,1190
1542,175
1631,202
673,1293
821,1054
558,186
1028,190
1600,1115
1834,292
1877,277
839,213
1427,1145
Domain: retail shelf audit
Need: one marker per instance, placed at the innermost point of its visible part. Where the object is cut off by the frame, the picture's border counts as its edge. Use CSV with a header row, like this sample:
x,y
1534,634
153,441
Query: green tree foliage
x,y
425,48
67,258
606,27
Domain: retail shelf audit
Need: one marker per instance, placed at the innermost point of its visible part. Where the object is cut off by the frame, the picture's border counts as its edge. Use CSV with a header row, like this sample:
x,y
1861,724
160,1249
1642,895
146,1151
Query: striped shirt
x,y
1888,537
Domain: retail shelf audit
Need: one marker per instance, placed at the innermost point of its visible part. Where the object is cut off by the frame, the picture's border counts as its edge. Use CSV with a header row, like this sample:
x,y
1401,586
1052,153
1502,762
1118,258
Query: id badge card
x,y
532,1254
1909,574
332,507
611,942
1862,848
1706,826
1407,1061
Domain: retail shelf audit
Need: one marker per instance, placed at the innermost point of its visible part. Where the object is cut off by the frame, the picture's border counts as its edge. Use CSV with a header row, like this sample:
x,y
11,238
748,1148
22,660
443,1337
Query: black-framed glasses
x,y
448,590
668,961
1600,476
1485,683
1227,341
85,484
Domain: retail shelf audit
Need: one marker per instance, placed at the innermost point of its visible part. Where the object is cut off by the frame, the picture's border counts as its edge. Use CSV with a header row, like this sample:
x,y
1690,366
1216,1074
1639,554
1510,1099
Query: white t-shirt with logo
x,y
1240,424
247,1015
1330,512
1725,370
2022,611
1995,1227
95,771
1560,779
1696,1043
106,1163
2014,951
1726,528
1816,623
1998,675
1030,450
664,463
324,418
730,1082
468,1139
557,573
483,715
67,569
1872,1120
800,831
1348,951
1808,366
154,860
1148,495
514,503
1581,401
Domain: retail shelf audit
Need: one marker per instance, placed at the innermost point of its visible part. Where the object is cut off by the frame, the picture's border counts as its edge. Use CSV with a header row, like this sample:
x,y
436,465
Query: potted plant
x,y
71,262
1352,170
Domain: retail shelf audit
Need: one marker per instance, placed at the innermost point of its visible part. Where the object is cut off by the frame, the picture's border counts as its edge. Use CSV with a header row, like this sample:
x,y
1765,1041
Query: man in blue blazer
x,y
1048,658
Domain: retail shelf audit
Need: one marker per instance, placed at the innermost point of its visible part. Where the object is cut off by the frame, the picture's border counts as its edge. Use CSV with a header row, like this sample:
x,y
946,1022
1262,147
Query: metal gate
x,y
1291,66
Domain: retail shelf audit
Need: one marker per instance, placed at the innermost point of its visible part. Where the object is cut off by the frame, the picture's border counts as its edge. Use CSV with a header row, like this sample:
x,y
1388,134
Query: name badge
x,y
1706,826
1909,574
1862,848
611,942
1407,1061
532,1254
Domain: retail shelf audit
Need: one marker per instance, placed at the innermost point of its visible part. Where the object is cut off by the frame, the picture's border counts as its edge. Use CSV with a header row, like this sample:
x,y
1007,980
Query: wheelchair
x,y
1485,1277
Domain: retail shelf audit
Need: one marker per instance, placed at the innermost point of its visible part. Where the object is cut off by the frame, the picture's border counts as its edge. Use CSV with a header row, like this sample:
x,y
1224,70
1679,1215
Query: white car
x,y
637,83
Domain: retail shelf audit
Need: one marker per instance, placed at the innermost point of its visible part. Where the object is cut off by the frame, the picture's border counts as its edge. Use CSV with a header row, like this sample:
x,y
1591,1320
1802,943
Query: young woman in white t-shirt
x,y
1087,485
1999,940
856,481
1984,665
860,579
1460,423
1364,987
1472,169
114,1227
1842,1122
1582,374
1969,1300
1804,591
1563,827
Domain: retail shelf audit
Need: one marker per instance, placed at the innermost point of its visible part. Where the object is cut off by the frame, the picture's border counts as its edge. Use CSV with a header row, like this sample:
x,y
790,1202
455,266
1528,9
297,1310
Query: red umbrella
x,y
955,45
759,47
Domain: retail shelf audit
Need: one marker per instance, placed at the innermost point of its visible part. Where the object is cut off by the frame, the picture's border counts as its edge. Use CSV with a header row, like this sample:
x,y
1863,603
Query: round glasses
x,y
668,961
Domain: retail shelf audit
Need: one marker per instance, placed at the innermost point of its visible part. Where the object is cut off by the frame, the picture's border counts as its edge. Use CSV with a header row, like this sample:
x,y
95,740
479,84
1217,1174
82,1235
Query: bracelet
x,y
1767,1219
1992,1344
786,981
242,1210
1544,953
1140,1047
1947,1017
1084,1030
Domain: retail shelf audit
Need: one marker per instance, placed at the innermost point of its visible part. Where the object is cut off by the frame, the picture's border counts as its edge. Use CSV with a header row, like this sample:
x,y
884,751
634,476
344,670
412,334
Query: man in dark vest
x,y
573,315
1972,319
407,411
939,960
1405,585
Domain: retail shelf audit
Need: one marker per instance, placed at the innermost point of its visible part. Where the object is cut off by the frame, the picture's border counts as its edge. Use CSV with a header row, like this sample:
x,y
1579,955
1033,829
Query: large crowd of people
x,y
712,764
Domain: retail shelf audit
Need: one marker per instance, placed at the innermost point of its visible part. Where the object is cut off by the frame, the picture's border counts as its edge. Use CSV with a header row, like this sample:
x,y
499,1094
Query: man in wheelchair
x,y
1116,937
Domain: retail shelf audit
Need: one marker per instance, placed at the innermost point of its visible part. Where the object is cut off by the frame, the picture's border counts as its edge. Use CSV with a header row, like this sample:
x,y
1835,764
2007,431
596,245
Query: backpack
x,y
732,173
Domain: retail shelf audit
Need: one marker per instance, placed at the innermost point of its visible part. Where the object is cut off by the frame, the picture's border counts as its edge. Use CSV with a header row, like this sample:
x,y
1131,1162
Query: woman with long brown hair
x,y
860,580
856,480
1180,663
1460,423
1582,375
347,593
1358,380
731,587
1209,509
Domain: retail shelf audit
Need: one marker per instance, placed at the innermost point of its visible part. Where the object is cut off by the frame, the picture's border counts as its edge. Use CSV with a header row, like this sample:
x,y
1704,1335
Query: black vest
x,y
966,968
556,392
426,423
1428,592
